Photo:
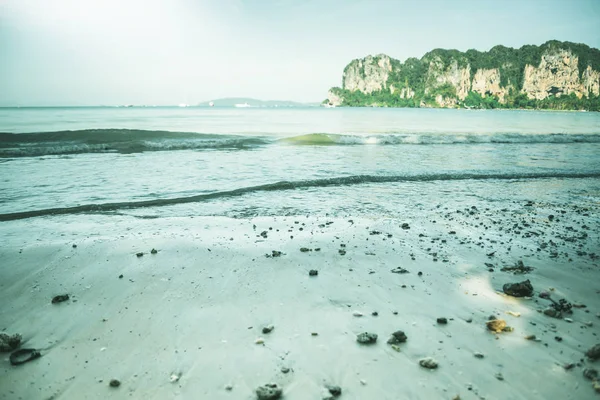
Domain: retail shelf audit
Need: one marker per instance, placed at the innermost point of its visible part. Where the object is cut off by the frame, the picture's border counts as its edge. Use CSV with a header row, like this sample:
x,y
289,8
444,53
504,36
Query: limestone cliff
x,y
556,74
368,74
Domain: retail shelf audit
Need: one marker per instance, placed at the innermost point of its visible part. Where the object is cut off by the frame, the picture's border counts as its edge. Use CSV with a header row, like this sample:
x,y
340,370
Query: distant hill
x,y
555,75
232,101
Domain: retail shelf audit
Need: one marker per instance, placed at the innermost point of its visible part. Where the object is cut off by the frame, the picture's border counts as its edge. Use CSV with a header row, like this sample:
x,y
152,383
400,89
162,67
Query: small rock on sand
x,y
270,391
442,321
140,254
60,298
520,289
496,325
499,376
285,370
259,341
114,383
313,272
153,251
594,352
357,314
9,342
478,355
268,329
366,338
590,373
397,338
428,363
334,390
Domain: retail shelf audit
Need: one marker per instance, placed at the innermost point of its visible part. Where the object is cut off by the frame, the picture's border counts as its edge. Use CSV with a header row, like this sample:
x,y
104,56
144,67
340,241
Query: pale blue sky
x,y
88,52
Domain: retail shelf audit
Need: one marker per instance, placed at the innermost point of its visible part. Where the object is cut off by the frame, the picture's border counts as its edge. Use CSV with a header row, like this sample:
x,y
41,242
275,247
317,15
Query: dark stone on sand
x,y
313,272
267,329
420,273
374,313
60,298
22,356
9,342
397,338
121,276
334,390
74,246
400,270
558,338
520,289
114,383
594,352
405,226
442,321
270,391
366,338
590,373
275,253
304,249
140,254
285,370
153,251
342,252
263,234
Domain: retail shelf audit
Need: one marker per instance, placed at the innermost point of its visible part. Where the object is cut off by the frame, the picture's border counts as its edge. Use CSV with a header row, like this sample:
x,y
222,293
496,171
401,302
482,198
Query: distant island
x,y
250,102
556,75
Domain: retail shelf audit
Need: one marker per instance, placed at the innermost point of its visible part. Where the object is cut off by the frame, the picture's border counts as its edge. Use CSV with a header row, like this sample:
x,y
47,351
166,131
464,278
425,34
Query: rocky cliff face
x,y
557,74
486,82
440,74
445,78
368,74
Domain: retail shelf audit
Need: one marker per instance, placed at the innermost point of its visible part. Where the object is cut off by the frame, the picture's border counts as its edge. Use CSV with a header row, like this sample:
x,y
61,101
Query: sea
x,y
154,162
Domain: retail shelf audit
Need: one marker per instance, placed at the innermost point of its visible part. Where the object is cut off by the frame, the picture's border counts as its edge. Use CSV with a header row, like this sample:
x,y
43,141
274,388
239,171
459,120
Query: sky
x,y
166,52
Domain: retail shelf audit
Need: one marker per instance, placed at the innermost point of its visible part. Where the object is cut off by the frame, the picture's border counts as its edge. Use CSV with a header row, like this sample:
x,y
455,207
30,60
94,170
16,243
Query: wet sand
x,y
187,321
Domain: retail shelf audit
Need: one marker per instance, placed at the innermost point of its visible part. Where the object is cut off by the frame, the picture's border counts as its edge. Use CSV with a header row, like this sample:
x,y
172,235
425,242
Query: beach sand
x,y
185,322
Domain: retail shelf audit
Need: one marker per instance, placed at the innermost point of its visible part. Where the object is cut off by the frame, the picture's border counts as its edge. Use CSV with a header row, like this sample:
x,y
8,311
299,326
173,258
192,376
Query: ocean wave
x,y
137,141
293,185
327,139
118,141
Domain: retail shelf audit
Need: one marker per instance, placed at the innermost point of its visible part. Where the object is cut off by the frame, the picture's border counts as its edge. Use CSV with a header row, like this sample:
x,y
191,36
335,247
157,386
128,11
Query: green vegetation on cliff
x,y
446,78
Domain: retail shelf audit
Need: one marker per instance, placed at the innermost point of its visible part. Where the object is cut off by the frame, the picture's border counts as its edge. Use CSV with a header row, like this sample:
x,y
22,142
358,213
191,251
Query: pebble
x,y
174,378
397,338
285,370
313,272
334,390
374,313
357,314
496,325
153,251
366,338
520,289
114,383
229,387
268,329
568,319
530,337
478,355
428,363
270,391
140,254
594,352
60,298
514,313
259,341
499,376
9,342
442,321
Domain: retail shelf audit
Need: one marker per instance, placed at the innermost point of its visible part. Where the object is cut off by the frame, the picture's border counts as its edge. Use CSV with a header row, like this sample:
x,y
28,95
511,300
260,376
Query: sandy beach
x,y
187,321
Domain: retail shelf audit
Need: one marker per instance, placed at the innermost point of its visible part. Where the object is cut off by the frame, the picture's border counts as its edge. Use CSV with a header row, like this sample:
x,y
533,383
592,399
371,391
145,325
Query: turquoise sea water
x,y
153,162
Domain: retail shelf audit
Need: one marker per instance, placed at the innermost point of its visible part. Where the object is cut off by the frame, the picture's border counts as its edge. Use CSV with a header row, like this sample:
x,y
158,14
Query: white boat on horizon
x,y
244,105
